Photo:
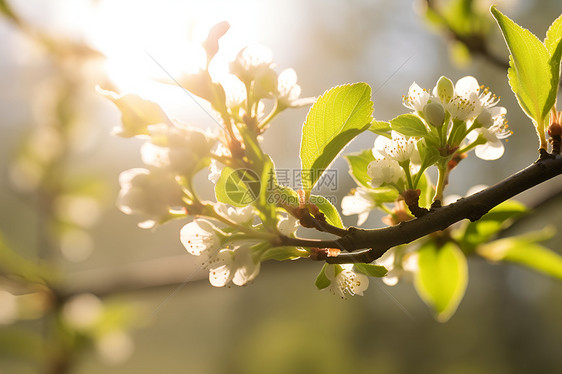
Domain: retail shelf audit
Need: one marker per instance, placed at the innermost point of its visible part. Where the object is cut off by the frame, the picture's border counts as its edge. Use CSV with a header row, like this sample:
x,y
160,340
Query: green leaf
x,y
427,191
409,125
553,43
322,280
429,152
283,253
338,116
441,278
553,36
488,225
385,194
237,187
330,211
371,270
530,71
380,128
283,196
526,252
358,163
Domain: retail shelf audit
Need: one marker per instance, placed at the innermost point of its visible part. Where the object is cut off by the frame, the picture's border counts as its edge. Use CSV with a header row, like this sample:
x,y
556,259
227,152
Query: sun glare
x,y
147,41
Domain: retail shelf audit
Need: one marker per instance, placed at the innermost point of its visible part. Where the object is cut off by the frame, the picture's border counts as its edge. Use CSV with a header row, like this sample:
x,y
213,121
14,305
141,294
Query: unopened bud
x,y
555,127
444,89
434,114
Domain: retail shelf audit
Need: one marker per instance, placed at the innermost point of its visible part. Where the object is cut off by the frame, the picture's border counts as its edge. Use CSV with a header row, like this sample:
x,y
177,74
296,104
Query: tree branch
x,y
377,241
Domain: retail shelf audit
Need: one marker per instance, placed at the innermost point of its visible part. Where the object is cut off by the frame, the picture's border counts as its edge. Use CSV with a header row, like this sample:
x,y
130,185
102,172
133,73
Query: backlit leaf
x,y
441,278
338,116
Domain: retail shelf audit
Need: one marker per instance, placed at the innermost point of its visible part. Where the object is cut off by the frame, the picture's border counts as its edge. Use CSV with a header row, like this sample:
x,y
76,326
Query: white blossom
x,y
463,108
398,148
345,281
493,130
173,148
199,236
384,171
470,99
398,265
214,172
151,194
288,225
233,265
360,203
254,63
238,215
288,91
417,97
253,57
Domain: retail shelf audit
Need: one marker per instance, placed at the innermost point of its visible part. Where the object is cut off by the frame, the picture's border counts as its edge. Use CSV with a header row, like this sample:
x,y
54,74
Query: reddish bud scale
x,y
555,131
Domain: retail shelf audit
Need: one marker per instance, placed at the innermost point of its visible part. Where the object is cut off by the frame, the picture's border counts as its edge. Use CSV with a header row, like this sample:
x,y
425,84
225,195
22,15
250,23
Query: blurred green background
x,y
165,314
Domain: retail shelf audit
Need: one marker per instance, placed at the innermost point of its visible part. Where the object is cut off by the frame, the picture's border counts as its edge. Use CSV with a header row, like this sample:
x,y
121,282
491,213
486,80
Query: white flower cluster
x,y
466,107
466,101
255,63
148,193
392,156
171,151
236,262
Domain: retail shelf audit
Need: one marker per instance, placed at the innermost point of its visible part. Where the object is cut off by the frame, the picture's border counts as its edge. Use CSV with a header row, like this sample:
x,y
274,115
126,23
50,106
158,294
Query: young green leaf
x,y
338,116
553,36
322,280
441,278
385,194
427,191
409,125
358,163
283,253
330,211
371,270
380,128
524,251
485,228
530,72
553,43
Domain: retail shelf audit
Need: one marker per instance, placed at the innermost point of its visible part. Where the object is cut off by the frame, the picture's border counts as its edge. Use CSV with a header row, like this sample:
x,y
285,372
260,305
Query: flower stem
x,y
478,141
406,166
441,180
274,112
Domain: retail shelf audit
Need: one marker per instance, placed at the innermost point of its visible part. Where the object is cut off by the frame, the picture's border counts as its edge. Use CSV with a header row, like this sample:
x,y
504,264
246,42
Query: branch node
x,y
544,155
411,198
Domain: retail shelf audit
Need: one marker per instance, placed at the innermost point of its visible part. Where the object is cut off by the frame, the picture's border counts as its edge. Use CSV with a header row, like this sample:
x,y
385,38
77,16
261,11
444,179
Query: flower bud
x,y
555,127
434,114
444,89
